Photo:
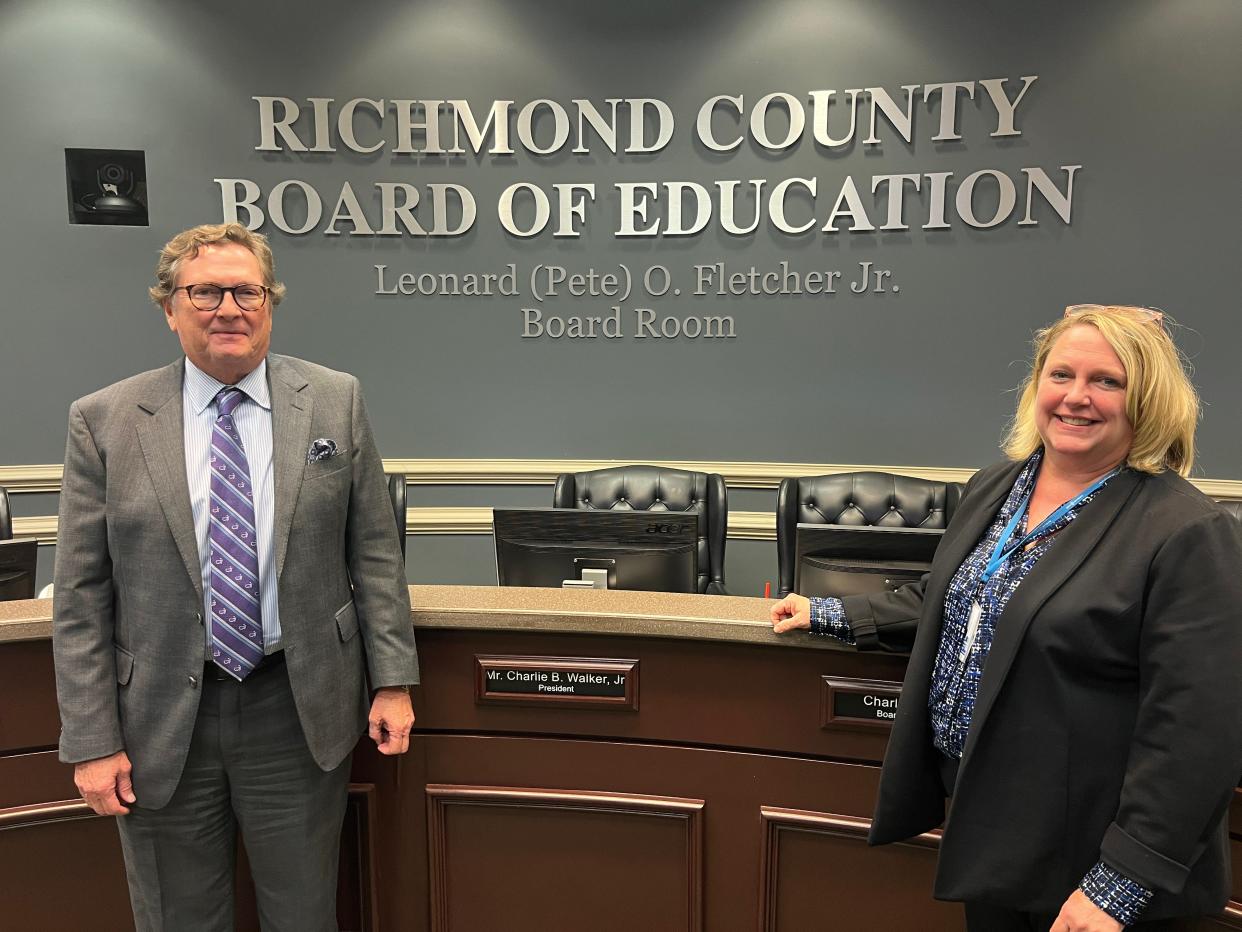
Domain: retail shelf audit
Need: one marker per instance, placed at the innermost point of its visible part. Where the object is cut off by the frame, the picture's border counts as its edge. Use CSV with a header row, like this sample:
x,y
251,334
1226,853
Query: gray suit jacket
x,y
127,625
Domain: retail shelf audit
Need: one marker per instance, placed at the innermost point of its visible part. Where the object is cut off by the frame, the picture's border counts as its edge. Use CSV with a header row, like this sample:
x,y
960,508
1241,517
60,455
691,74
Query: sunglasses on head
x,y
1151,315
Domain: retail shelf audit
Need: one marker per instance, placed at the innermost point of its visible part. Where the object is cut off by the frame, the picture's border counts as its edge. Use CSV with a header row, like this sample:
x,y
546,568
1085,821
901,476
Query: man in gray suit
x,y
227,562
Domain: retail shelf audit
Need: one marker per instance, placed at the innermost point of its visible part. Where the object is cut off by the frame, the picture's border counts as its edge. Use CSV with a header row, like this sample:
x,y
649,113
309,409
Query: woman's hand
x,y
1079,914
793,611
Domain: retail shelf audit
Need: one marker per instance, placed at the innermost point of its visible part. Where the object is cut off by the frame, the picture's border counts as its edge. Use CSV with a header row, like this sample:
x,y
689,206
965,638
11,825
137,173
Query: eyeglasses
x,y
1148,314
208,297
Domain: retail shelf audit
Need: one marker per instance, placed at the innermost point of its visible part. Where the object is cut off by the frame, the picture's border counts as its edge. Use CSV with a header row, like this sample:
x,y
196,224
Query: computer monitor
x,y
841,560
647,550
18,560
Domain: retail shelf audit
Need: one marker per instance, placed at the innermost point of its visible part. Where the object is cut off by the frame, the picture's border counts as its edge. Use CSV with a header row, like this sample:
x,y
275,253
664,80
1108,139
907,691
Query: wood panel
x,y
34,777
28,716
808,854
62,870
693,693
533,859
734,787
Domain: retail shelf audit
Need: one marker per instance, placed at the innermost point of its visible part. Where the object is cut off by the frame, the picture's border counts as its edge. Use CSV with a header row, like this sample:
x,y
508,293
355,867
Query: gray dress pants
x,y
248,767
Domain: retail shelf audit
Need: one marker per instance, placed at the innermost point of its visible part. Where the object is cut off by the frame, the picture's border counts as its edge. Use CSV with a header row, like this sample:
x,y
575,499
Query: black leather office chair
x,y
651,488
858,499
6,516
396,494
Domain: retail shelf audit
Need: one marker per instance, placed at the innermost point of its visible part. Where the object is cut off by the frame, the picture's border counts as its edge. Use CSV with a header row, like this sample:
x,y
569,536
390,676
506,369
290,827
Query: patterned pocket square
x,y
320,450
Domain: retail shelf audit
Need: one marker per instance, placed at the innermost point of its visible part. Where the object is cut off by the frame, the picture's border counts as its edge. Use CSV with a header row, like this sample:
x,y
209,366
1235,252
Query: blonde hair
x,y
185,245
1161,404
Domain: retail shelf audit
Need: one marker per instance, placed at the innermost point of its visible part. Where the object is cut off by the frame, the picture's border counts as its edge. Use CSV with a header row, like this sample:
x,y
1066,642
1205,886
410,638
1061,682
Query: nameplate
x,y
866,703
581,682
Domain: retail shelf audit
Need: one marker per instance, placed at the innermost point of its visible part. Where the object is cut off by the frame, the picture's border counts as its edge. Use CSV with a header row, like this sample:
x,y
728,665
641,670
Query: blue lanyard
x,y
999,556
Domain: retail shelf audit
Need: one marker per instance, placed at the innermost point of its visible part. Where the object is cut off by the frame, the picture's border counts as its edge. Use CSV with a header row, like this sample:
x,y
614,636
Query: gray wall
x,y
1141,94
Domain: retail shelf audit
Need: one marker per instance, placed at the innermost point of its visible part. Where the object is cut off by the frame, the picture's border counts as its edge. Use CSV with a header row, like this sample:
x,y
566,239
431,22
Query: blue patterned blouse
x,y
955,684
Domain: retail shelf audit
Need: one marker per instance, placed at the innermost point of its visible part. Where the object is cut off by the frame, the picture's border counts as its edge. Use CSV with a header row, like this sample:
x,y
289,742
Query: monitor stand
x,y
590,578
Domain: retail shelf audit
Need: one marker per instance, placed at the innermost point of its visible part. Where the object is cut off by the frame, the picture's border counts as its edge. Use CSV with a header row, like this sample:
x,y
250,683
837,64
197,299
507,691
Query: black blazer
x,y
1109,716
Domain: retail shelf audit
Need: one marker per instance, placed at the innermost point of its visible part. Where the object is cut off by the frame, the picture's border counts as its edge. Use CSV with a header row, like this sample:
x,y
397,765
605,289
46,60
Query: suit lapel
x,y
161,436
291,422
1071,549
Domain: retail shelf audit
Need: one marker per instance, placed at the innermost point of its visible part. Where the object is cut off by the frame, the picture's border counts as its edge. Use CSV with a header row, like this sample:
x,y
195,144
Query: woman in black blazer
x,y
1075,677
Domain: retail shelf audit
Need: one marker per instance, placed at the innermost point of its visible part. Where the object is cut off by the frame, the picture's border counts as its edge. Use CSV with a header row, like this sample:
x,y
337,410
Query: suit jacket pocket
x,y
347,620
321,469
124,664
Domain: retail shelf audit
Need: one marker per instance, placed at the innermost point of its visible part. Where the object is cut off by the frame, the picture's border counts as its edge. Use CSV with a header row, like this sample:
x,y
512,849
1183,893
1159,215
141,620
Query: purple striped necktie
x,y
236,626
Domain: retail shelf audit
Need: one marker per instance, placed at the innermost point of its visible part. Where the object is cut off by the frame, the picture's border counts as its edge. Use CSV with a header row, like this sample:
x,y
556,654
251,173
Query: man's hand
x,y
790,613
104,783
1079,914
391,719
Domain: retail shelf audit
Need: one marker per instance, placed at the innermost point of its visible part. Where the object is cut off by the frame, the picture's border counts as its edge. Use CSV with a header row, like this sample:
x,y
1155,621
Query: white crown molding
x,y
42,528
31,478
742,475
739,475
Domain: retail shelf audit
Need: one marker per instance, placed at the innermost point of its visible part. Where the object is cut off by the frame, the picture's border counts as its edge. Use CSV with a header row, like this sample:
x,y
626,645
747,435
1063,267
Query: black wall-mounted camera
x,y
107,186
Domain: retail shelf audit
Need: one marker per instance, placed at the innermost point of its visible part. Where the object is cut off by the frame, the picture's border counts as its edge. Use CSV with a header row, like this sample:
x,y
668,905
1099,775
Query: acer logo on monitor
x,y
666,528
